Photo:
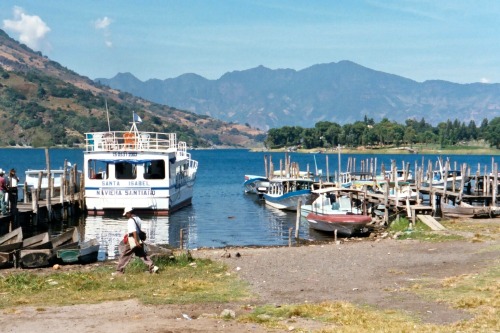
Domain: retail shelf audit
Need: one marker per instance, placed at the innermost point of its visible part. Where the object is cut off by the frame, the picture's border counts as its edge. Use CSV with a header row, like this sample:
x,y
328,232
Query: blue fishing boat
x,y
285,193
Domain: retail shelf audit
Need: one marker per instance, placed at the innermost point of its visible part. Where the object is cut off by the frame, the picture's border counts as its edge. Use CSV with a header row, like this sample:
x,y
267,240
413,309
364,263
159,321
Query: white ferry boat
x,y
149,171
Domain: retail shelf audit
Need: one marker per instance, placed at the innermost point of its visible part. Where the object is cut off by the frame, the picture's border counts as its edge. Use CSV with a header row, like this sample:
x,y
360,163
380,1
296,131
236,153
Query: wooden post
x,y
327,170
49,184
62,190
39,187
72,184
181,239
445,178
25,195
494,189
462,181
386,204
266,171
82,193
35,206
297,219
430,178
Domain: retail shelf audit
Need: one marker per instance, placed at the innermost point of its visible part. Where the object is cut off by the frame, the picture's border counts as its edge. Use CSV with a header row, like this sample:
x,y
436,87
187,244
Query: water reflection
x,y
109,232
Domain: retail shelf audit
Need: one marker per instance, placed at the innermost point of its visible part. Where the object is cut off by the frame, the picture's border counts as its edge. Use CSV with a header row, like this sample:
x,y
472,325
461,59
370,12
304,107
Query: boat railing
x,y
133,141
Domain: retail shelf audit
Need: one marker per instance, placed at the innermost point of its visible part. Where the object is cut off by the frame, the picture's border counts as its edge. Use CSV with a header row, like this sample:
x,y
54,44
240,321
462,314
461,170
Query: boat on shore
x,y
331,212
345,224
467,210
149,171
84,253
9,244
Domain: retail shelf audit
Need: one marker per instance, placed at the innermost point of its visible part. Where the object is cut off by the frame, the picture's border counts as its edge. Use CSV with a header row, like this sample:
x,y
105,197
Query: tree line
x,y
368,133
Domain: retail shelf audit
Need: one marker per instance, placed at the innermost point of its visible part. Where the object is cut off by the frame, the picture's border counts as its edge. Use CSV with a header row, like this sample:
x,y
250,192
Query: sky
x,y
452,40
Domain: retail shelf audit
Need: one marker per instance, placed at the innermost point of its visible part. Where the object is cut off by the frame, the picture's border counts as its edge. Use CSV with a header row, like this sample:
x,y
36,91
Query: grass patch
x,y
476,293
181,280
420,232
338,317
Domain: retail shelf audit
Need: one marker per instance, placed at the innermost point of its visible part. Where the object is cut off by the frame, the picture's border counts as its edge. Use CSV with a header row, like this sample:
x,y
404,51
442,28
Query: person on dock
x,y
12,188
132,245
3,191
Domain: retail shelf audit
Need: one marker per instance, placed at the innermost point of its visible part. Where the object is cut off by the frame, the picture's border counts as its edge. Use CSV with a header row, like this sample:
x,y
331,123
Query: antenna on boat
x,y
107,114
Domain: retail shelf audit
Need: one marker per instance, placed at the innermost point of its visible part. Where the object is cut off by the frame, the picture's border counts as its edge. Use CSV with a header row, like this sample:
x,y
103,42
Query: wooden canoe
x,y
465,210
12,240
35,258
86,252
40,241
68,238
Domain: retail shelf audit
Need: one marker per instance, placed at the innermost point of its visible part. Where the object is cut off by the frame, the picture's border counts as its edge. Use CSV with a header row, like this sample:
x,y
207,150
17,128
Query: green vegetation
x,y
417,135
420,232
182,280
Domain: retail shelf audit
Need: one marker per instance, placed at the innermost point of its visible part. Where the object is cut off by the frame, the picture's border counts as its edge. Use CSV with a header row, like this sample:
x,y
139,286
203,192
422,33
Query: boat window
x,y
97,169
125,170
154,169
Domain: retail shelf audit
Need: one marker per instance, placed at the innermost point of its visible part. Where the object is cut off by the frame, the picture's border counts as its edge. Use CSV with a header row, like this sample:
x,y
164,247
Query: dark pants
x,y
13,201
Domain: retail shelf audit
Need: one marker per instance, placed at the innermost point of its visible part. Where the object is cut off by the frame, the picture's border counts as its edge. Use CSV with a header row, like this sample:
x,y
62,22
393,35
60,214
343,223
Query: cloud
x,y
485,80
103,24
32,30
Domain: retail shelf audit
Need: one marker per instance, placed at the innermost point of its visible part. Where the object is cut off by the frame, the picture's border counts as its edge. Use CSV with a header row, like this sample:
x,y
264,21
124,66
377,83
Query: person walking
x,y
132,245
3,191
12,188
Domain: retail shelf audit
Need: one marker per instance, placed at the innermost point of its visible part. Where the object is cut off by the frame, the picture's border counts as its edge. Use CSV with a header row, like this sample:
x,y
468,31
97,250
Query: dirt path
x,y
362,272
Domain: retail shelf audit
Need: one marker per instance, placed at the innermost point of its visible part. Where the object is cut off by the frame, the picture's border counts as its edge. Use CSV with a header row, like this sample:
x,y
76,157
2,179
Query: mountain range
x,y
342,92
44,104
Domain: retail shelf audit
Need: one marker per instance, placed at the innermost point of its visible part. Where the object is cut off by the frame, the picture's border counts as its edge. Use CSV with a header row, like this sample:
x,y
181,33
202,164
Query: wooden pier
x,y
480,188
40,203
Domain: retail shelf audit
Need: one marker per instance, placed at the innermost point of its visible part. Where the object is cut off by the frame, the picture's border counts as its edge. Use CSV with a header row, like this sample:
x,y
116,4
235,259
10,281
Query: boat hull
x,y
288,201
255,184
344,224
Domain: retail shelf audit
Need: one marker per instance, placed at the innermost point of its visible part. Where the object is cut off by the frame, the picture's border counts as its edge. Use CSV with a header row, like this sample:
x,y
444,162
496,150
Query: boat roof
x,y
334,189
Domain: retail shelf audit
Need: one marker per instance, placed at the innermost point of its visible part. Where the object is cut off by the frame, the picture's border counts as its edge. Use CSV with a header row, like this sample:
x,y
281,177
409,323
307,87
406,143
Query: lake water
x,y
221,214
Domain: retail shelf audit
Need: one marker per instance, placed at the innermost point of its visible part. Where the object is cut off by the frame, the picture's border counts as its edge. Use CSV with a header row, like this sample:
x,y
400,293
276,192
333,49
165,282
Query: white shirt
x,y
131,227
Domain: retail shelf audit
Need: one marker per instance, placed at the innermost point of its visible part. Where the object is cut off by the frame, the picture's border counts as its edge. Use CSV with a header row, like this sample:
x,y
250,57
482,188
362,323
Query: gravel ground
x,y
365,272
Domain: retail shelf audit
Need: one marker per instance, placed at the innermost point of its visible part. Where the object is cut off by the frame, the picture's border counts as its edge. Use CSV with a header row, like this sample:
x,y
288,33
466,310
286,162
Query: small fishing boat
x,y
36,251
69,238
285,193
9,244
150,171
328,200
12,240
330,212
255,184
86,252
40,241
34,178
465,210
35,258
346,224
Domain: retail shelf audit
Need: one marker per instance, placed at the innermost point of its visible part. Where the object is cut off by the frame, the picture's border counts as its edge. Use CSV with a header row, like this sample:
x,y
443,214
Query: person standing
x,y
3,191
12,188
133,245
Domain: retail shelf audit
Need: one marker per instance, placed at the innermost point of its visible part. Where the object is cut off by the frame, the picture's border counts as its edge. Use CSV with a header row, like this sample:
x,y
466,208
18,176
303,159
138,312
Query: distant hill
x,y
342,92
42,103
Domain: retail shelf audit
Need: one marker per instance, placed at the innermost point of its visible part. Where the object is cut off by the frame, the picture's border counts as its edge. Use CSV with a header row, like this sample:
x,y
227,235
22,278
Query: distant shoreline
x,y
387,151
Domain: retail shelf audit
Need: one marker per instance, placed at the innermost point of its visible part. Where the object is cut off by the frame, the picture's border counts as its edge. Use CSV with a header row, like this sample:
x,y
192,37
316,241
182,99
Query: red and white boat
x,y
330,212
346,224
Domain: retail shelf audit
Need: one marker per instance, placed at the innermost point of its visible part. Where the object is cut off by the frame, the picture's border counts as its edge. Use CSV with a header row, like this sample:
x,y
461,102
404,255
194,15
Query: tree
x,y
492,133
